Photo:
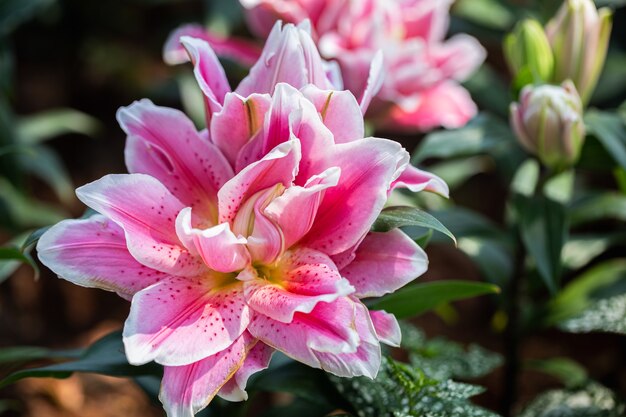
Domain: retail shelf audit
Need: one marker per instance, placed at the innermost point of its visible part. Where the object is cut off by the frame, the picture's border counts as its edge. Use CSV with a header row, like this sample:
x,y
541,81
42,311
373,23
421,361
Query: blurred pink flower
x,y
420,72
251,236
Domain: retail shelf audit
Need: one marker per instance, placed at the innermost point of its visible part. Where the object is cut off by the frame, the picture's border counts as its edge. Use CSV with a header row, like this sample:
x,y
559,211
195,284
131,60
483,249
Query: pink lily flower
x,y
422,71
249,237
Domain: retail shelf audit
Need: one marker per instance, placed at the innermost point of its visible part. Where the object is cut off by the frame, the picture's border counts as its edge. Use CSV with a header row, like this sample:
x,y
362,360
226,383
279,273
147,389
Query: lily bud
x,y
579,36
548,122
528,53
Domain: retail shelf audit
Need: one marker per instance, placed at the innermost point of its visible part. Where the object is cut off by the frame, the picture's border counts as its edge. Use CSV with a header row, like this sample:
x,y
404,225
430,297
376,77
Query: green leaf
x,y
393,217
579,250
52,123
440,358
456,172
606,315
47,166
11,253
609,129
595,207
593,400
543,228
401,390
23,212
526,178
419,298
483,134
33,237
106,357
605,280
491,256
569,372
488,13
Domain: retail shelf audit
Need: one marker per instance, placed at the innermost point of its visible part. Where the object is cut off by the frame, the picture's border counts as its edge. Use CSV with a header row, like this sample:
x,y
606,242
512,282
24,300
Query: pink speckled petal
x,y
387,327
330,327
302,279
258,359
92,253
368,167
164,143
178,321
187,389
385,262
147,212
366,360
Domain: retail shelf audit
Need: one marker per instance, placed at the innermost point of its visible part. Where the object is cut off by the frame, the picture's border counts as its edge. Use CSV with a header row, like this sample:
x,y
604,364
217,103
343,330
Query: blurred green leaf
x,y
606,315
612,82
605,280
526,178
579,250
393,217
456,172
543,229
483,134
609,129
489,91
52,123
417,299
440,358
14,12
47,166
593,400
570,373
595,207
192,99
25,212
11,257
489,13
106,357
491,257
560,188
33,237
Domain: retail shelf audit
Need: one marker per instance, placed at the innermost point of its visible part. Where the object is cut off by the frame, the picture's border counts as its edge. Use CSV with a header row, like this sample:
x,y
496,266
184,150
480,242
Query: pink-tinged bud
x,y
548,121
579,36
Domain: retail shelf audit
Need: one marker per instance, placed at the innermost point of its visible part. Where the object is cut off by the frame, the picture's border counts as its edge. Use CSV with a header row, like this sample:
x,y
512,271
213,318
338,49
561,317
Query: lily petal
x,y
301,280
92,253
164,143
178,321
387,327
186,390
258,359
385,262
417,180
147,211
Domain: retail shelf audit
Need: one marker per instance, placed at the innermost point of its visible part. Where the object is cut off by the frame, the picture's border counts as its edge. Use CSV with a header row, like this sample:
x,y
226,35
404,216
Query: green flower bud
x,y
528,53
579,36
548,121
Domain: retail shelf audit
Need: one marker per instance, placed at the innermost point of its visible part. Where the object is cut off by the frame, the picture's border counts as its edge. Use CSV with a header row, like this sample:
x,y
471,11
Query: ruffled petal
x,y
258,359
147,211
238,121
209,74
164,143
340,112
218,246
178,321
366,360
185,390
385,262
417,180
330,327
279,166
387,327
92,253
289,56
368,167
302,279
295,210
